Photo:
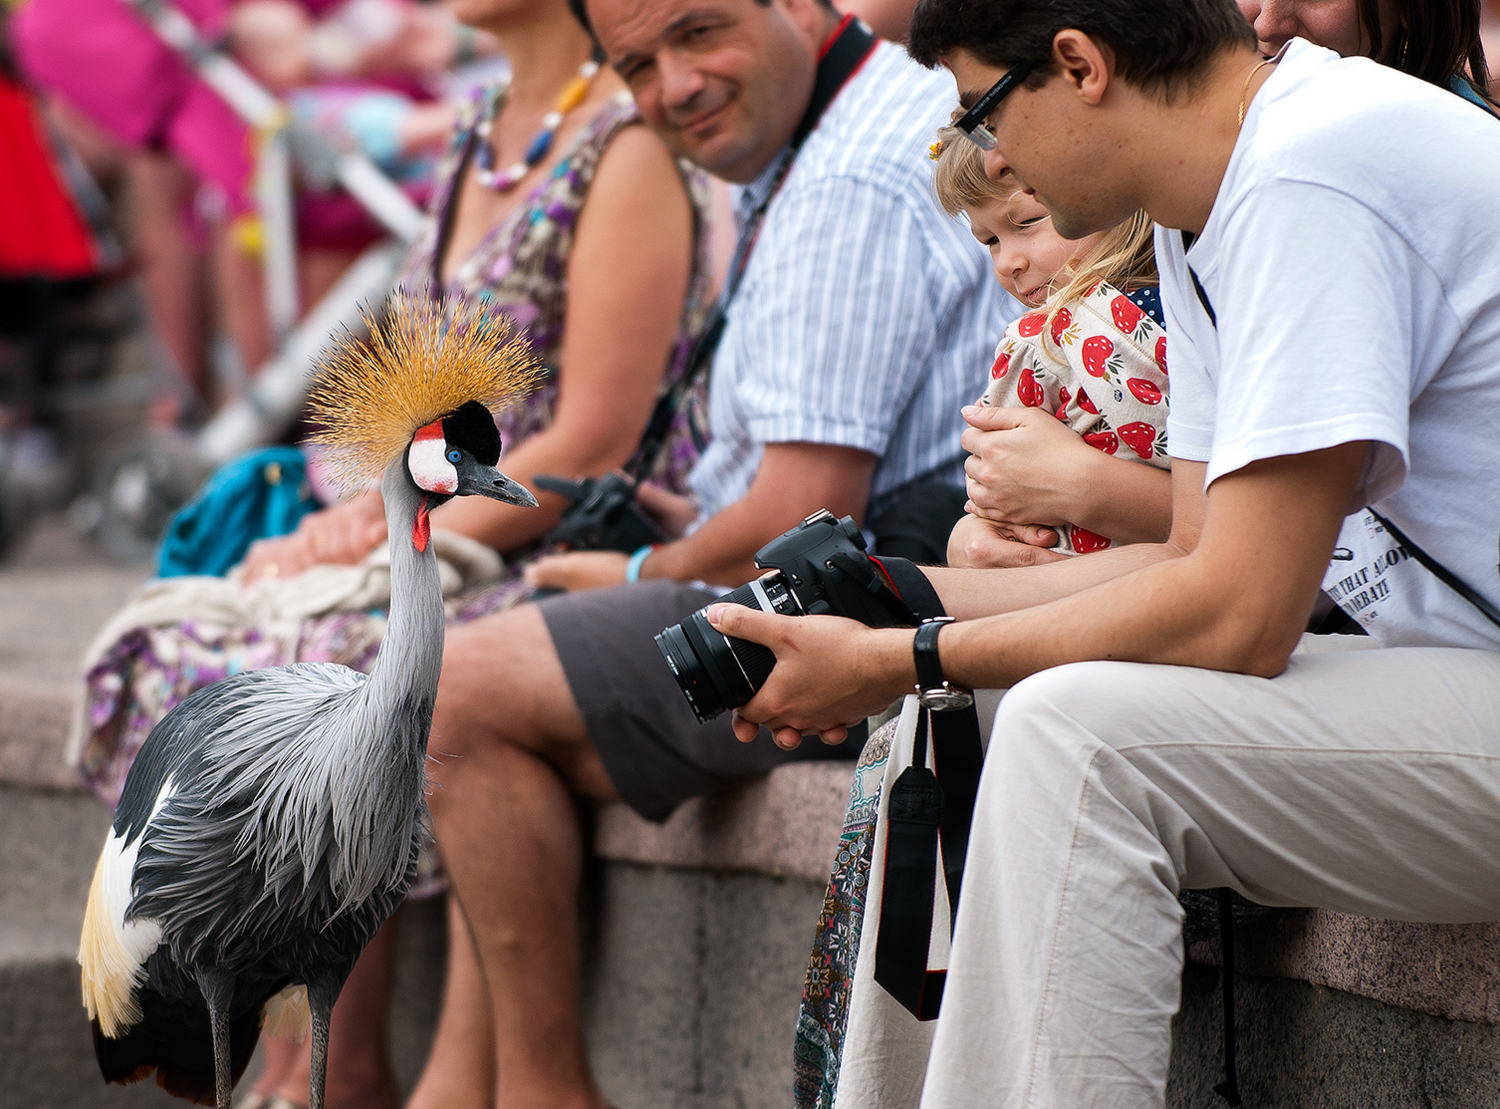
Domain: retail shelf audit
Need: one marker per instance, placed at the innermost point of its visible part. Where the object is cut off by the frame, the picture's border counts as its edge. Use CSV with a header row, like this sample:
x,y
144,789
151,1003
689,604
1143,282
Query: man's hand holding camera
x,y
830,672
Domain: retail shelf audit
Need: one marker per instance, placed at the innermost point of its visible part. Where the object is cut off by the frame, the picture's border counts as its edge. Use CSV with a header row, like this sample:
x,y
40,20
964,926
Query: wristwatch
x,y
933,690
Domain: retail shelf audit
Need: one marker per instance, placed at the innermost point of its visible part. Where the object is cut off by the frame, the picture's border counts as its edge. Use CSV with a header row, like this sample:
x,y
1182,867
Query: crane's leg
x,y
320,999
218,992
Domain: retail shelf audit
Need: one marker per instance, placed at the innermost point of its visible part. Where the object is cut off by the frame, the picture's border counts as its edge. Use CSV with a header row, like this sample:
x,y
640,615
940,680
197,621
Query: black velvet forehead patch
x,y
473,428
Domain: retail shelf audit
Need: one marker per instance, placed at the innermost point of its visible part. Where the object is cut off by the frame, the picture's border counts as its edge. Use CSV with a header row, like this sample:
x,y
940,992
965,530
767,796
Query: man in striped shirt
x,y
861,322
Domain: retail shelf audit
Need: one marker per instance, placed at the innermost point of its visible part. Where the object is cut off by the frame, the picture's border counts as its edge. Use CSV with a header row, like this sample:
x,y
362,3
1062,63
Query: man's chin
x,y
1076,225
720,152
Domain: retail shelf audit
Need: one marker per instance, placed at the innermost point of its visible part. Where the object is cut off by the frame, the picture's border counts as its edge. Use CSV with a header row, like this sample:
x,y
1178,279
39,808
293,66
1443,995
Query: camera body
x,y
603,514
819,567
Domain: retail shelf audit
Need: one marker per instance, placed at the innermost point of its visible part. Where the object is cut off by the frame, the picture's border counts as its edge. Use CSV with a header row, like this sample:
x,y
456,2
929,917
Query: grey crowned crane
x,y
272,820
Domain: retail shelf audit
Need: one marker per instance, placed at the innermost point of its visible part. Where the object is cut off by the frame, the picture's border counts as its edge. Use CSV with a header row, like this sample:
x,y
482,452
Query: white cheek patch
x,y
428,463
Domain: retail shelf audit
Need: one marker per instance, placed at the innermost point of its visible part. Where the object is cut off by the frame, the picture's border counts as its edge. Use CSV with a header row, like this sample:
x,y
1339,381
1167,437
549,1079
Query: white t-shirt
x,y
1352,258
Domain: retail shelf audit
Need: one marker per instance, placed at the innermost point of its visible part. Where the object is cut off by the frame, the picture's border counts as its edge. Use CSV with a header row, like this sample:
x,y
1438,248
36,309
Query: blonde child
x,y
1092,354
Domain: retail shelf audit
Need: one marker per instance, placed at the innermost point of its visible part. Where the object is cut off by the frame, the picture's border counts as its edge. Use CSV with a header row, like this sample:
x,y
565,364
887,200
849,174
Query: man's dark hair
x,y
1156,43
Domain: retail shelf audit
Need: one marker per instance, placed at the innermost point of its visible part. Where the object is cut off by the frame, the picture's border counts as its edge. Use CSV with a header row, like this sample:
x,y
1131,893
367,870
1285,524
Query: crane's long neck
x,y
378,767
405,675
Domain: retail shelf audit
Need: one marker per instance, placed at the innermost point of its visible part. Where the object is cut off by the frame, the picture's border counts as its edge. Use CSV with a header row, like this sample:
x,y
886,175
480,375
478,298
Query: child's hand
x,y
1025,466
979,544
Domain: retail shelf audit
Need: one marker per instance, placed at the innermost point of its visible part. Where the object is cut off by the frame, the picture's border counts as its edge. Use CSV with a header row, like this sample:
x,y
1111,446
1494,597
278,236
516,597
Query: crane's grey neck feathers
x,y
411,650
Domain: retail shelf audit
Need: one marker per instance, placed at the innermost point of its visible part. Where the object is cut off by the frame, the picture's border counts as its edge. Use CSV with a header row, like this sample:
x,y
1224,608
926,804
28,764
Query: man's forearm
x,y
794,481
722,551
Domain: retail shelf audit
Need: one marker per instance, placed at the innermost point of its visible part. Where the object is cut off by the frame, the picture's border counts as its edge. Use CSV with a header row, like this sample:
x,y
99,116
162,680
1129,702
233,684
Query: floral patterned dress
x,y
1100,366
521,268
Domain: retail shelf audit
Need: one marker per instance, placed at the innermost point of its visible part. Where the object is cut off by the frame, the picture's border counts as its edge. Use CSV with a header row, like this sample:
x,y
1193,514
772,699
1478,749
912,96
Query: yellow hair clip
x,y
935,151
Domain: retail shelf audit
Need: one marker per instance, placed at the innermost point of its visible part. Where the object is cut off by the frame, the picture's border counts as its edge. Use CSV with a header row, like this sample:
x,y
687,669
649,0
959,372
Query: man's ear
x,y
1084,63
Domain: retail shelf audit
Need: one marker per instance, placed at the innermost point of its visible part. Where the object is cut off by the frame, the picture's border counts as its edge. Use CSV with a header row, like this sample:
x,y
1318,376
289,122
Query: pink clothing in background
x,y
104,60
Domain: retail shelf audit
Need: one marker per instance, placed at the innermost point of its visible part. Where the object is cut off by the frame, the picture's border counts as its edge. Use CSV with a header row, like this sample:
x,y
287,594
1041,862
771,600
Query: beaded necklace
x,y
572,96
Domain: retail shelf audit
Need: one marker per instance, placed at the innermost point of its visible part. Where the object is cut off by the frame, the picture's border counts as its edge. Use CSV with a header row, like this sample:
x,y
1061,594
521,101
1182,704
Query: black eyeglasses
x,y
973,122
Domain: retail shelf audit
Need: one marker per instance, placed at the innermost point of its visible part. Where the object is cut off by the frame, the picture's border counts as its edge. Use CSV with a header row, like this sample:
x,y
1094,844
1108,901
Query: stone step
x,y
51,840
56,591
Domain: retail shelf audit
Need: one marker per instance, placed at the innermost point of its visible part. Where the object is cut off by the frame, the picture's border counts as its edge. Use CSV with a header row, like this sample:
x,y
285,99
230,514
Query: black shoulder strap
x,y
1441,572
1187,243
449,210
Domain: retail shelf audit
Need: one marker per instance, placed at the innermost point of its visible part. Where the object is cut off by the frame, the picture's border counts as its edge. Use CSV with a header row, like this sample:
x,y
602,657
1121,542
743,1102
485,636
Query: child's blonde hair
x,y
1125,257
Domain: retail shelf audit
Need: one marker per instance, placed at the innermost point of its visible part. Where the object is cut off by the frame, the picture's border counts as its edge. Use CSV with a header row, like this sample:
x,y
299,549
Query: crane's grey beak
x,y
478,479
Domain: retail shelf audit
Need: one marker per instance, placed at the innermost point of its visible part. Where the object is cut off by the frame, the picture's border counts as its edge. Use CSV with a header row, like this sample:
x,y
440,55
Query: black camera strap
x,y
846,51
925,819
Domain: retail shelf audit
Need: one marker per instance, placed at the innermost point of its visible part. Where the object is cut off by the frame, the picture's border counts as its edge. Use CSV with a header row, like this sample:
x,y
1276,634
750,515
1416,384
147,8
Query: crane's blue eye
x,y
455,456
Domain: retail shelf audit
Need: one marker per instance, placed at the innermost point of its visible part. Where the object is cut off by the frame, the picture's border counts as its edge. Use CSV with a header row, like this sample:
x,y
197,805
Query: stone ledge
x,y
1448,970
786,825
56,593
34,716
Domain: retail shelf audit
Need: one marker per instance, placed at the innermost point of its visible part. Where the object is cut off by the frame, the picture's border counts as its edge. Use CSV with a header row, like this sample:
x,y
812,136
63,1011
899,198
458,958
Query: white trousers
x,y
1362,780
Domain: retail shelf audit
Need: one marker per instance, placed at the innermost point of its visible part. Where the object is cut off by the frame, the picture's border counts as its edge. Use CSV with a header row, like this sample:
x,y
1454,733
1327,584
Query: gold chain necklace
x,y
1245,92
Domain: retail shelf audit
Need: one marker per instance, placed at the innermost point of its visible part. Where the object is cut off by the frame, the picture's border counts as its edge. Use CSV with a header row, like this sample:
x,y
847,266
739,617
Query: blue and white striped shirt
x,y
866,317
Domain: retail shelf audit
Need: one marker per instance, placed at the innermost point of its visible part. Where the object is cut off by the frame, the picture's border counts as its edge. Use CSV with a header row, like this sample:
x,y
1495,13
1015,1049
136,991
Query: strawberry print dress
x,y
1099,364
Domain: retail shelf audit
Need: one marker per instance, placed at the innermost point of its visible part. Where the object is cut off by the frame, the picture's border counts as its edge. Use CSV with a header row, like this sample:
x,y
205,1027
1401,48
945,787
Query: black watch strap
x,y
924,648
933,690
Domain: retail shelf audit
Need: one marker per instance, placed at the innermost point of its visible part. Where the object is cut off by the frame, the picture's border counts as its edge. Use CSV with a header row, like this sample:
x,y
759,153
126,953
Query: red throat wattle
x,y
421,531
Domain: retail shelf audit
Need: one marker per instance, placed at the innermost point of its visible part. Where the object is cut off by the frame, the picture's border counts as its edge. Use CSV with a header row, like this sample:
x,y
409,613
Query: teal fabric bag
x,y
264,493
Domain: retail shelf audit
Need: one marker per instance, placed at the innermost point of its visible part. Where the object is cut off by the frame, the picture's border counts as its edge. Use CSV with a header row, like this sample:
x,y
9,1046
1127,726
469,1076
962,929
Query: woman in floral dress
x,y
555,207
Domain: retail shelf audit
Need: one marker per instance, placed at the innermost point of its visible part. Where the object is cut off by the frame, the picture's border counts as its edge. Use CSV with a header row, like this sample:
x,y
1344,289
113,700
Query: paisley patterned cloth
x,y
823,1018
521,267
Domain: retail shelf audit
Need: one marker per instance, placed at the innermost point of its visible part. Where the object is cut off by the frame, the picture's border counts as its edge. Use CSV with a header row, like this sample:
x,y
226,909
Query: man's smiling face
x,y
1051,139
723,82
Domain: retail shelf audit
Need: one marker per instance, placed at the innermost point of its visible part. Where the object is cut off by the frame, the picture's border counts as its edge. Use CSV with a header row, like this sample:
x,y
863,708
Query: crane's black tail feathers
x,y
175,1040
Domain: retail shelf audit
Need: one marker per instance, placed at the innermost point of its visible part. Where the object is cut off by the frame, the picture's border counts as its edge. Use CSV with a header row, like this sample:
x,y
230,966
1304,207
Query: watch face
x,y
945,700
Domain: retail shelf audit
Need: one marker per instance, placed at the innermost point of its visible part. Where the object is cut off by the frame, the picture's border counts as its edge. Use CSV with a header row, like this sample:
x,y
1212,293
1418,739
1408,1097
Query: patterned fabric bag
x,y
1100,366
824,1015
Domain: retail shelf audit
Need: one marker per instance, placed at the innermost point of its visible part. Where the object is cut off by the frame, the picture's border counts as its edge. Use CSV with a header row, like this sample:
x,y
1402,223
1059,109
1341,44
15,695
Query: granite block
x,y
1447,970
1302,1046
785,825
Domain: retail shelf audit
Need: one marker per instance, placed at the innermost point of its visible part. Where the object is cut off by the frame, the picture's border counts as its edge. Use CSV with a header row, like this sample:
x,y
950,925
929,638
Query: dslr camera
x,y
819,567
602,514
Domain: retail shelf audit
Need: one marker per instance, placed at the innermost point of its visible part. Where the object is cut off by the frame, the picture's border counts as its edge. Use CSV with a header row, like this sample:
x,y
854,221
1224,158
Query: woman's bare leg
x,y
460,1070
359,1065
170,267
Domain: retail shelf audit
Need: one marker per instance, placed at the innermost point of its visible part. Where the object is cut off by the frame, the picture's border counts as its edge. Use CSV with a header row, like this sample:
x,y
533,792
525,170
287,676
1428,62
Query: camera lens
x,y
717,672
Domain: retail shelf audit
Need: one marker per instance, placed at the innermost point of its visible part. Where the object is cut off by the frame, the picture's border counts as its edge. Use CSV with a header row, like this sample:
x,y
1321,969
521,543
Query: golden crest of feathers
x,y
421,360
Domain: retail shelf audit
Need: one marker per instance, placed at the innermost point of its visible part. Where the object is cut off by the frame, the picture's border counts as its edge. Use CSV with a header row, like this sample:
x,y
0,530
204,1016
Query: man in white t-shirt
x,y
1331,279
